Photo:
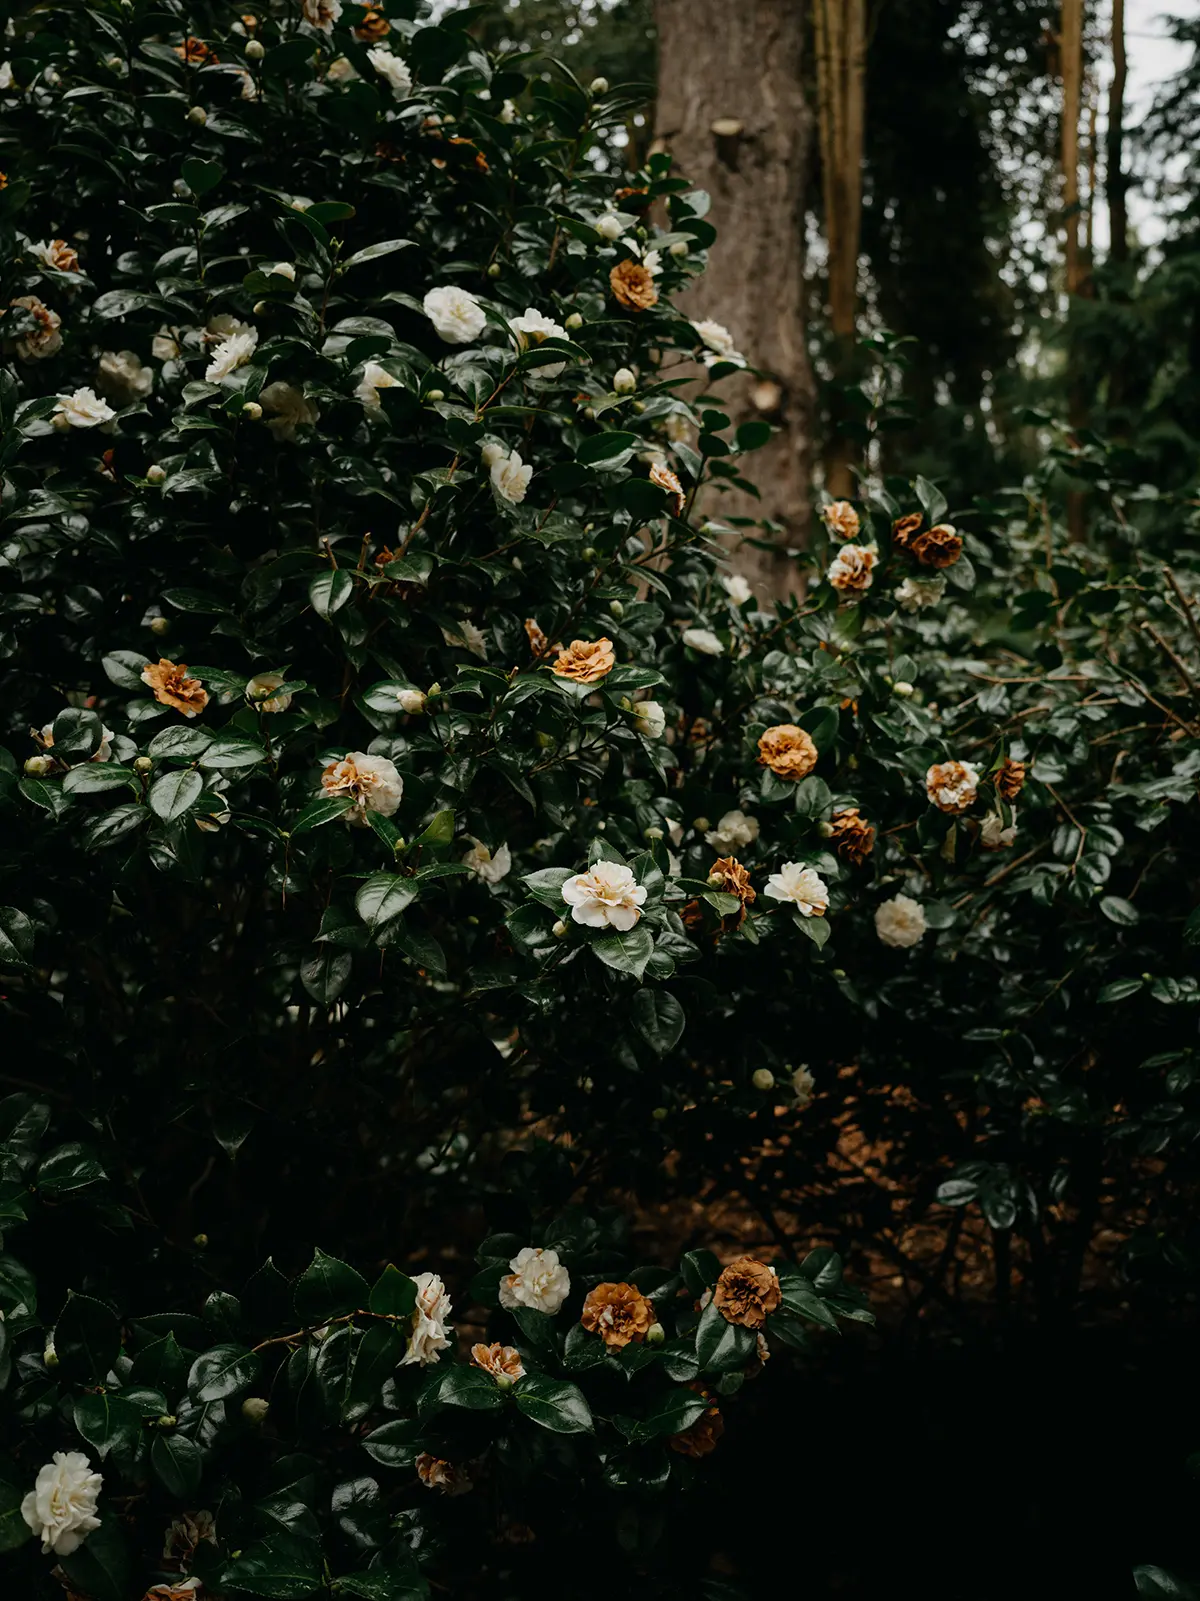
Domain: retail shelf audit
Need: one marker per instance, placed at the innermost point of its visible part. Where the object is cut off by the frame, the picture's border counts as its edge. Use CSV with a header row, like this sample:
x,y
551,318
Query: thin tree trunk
x,y
1114,177
738,67
1072,78
840,32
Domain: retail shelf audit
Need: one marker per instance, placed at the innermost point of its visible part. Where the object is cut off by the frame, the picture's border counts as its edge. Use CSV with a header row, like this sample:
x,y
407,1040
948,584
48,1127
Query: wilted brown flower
x,y
904,528
586,660
387,151
852,570
841,519
700,1437
735,880
940,546
43,339
195,52
186,1590
666,479
501,1361
633,199
746,1291
952,786
619,1313
1010,780
58,253
788,751
538,643
3,180
853,836
374,25
172,687
692,915
633,286
479,159
185,1534
437,1474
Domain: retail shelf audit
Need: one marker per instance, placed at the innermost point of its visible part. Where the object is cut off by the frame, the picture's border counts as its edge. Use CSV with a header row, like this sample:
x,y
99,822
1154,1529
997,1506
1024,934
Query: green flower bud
x,y
701,825
598,86
493,269
616,608
255,1409
38,766
659,1114
255,50
155,474
764,1079
197,116
679,248
435,394
655,1334
573,321
559,930
142,764
160,626
252,410
50,1355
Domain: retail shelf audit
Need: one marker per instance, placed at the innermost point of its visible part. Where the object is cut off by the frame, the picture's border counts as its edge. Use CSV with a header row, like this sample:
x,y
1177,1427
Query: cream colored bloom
x,y
802,886
490,866
803,1085
321,14
851,570
185,1533
224,326
471,638
532,328
429,1338
733,833
395,70
917,594
258,693
952,786
900,922
43,339
411,701
841,519
624,382
606,896
122,376
704,641
536,1279
61,1507
993,835
374,378
717,338
507,113
290,410
372,782
650,718
609,226
456,315
6,76
231,354
283,269
510,478
56,253
340,70
165,346
83,409
736,587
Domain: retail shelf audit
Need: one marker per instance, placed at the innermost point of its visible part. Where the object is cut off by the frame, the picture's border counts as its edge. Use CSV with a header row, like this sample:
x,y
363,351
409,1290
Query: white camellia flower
x,y
703,640
736,587
374,378
393,68
718,340
61,1507
803,1085
83,409
231,354
531,328
455,314
651,719
507,113
283,269
6,77
103,751
802,886
490,866
652,261
491,452
733,833
510,478
290,410
164,346
122,375
223,326
993,835
536,1279
340,70
606,896
258,692
429,1338
610,226
916,594
372,782
321,14
900,921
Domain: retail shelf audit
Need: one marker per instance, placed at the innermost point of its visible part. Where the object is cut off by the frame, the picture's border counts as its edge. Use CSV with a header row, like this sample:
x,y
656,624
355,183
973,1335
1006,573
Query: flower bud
x,y
434,689
411,701
590,413
493,269
623,381
714,881
598,86
160,626
255,50
679,248
655,1334
904,689
573,321
197,116
200,1241
255,1409
639,405
609,226
252,410
659,1114
166,1420
652,834
616,608
50,1355
155,474
142,764
701,825
588,553
435,394
825,830
559,930
283,269
763,1079
503,1382
491,453
38,766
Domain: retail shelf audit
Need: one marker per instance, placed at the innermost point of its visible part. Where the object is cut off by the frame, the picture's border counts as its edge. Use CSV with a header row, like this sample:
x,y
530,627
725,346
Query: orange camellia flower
x,y
195,52
735,880
374,25
633,286
185,1590
853,836
173,687
746,1291
666,479
501,1361
1010,779
620,1314
700,1437
904,528
58,253
788,751
538,643
952,786
437,1474
940,546
586,660
841,519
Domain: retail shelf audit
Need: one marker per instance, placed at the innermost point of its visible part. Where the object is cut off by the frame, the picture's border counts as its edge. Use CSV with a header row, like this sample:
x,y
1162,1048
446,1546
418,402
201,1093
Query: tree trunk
x,y
1072,97
1114,176
738,68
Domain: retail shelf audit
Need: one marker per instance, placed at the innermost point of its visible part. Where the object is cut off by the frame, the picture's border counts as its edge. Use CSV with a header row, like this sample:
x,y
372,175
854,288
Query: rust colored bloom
x,y
853,836
188,1590
618,1313
249,21
746,1291
586,660
788,751
173,687
841,519
702,1436
3,180
437,1474
904,528
58,253
501,1361
1010,780
692,915
634,199
385,150
472,149
666,479
940,546
43,339
538,643
633,286
374,25
194,52
735,880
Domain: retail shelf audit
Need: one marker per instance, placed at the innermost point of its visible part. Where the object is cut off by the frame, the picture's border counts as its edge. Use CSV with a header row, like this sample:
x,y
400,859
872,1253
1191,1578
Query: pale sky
x,y
1151,56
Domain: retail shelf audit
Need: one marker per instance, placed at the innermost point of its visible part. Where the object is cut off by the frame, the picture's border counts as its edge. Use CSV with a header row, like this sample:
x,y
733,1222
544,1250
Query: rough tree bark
x,y
1114,174
738,66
